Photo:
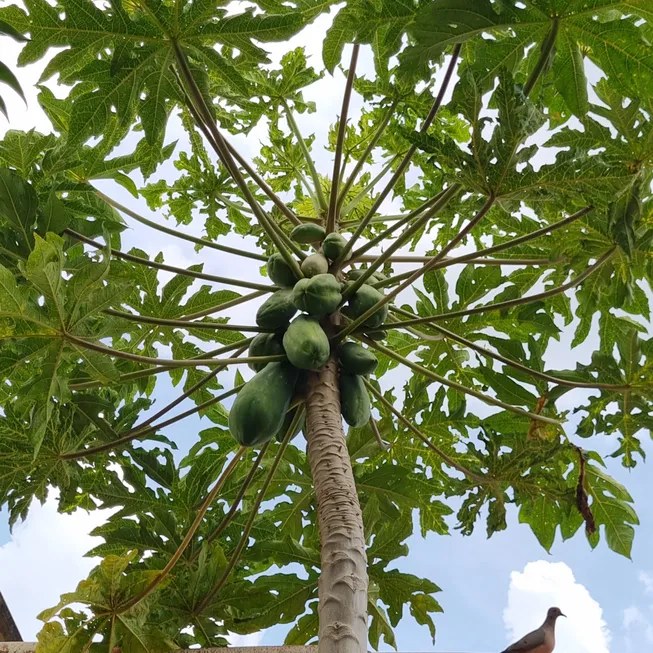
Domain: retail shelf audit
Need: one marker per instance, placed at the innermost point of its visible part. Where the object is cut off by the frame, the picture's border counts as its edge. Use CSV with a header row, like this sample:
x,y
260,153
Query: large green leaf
x,y
617,42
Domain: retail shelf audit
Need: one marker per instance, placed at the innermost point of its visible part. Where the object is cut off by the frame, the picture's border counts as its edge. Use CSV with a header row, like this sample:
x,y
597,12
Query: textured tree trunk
x,y
343,582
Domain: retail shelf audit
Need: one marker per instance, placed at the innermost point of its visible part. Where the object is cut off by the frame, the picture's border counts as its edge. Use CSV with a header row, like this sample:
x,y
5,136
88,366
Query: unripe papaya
x,y
308,233
314,264
364,298
319,296
290,416
300,386
276,311
265,344
334,245
355,359
299,292
280,272
354,400
261,406
355,274
375,277
306,344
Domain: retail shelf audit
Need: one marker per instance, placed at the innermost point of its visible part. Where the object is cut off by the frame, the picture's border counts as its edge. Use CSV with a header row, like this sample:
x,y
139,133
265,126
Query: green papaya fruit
x,y
355,274
314,264
333,246
355,359
261,406
300,386
299,292
306,344
265,344
354,400
319,296
290,416
308,233
276,311
375,277
280,272
364,298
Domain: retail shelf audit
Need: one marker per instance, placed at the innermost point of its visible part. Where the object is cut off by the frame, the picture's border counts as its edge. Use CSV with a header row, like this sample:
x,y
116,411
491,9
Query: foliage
x,y
6,76
531,142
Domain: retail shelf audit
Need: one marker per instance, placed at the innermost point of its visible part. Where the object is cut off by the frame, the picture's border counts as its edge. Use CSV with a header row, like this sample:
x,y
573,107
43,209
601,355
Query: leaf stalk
x,y
235,556
407,158
188,537
332,216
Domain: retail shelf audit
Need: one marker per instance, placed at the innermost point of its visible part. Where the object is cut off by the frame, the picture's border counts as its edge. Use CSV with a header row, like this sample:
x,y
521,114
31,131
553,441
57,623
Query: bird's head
x,y
554,613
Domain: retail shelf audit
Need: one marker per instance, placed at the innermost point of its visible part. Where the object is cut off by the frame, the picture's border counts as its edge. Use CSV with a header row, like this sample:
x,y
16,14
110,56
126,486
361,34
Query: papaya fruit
x,y
308,233
314,264
280,272
364,298
300,386
374,278
290,416
265,344
306,344
276,311
354,400
355,274
333,246
355,359
298,293
261,406
319,296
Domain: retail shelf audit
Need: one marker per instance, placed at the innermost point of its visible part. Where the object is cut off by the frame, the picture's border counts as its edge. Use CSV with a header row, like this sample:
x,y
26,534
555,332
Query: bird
x,y
541,640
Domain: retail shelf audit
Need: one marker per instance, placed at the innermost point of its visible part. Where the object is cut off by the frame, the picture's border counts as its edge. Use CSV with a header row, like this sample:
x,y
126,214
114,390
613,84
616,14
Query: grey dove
x,y
542,640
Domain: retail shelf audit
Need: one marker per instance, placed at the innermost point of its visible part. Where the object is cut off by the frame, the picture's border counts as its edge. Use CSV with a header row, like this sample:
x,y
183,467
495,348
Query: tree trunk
x,y
343,583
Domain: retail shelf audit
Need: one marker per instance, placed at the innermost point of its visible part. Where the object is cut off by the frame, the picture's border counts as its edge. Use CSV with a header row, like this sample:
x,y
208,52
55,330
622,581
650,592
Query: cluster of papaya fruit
x,y
266,406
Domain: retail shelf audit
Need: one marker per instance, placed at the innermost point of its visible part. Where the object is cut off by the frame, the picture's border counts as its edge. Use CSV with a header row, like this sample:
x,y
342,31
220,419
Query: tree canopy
x,y
515,138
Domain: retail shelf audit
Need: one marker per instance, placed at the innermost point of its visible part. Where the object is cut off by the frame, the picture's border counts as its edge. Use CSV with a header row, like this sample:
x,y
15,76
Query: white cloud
x,y
638,626
632,615
44,559
544,584
646,580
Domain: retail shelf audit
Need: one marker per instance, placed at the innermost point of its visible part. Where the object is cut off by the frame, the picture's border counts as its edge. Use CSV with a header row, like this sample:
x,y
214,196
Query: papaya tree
x,y
381,357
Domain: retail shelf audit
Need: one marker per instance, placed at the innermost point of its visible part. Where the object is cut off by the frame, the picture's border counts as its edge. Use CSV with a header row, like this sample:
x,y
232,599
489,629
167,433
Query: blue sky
x,y
493,589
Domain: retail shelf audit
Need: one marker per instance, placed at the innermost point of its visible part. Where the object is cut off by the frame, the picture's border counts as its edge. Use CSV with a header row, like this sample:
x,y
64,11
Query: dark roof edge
x,y
8,630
